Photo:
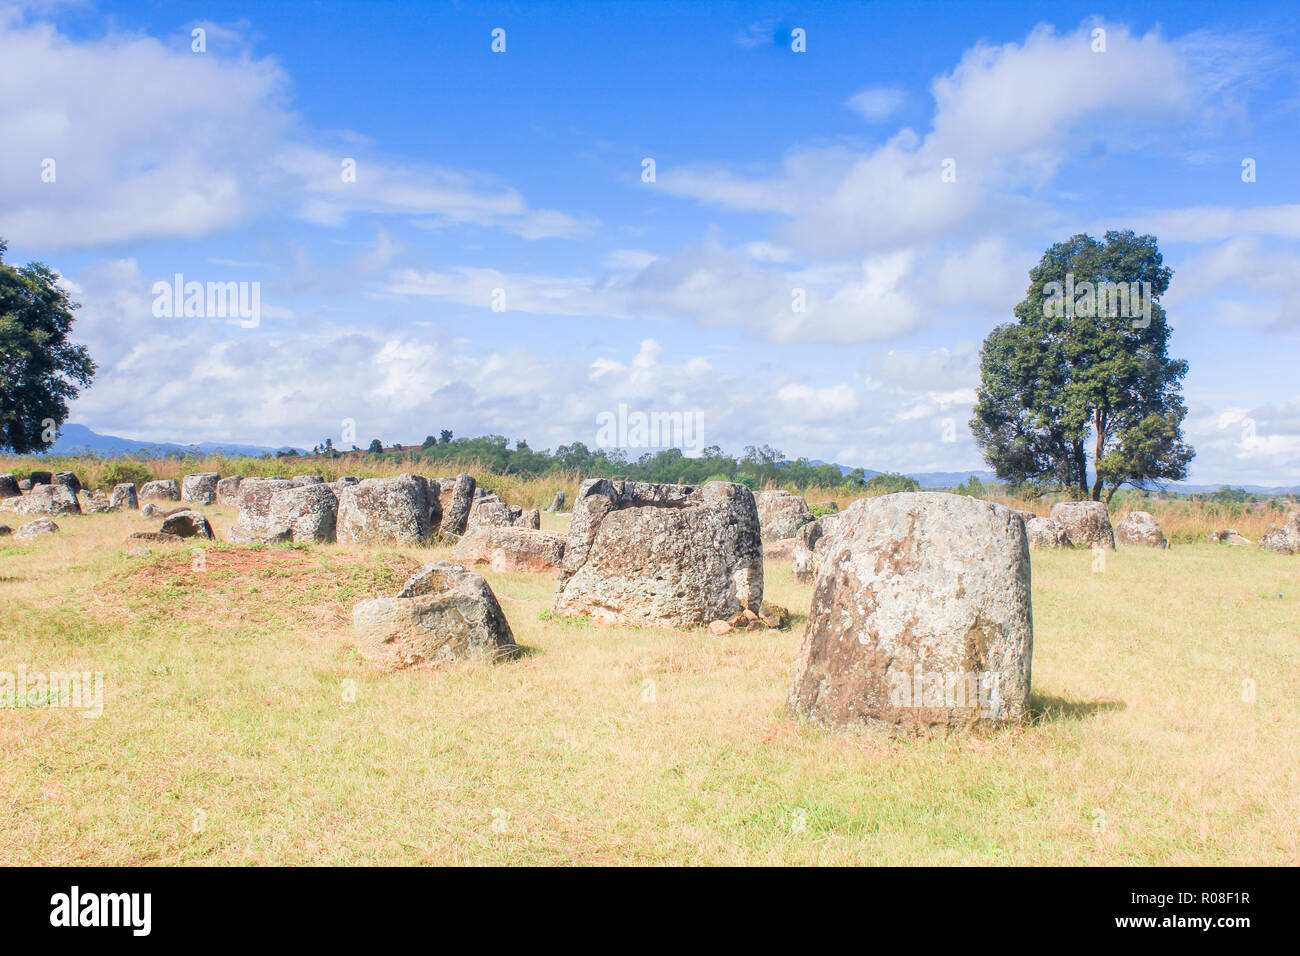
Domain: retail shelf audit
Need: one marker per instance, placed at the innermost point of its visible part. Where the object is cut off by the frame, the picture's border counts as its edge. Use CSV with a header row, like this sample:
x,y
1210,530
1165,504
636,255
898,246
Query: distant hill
x,y
951,479
926,479
75,439
1250,489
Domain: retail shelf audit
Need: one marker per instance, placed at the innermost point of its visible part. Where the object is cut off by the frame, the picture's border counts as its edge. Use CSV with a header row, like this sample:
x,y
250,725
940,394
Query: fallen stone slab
x,y
510,549
187,524
781,550
35,529
443,613
159,537
1228,536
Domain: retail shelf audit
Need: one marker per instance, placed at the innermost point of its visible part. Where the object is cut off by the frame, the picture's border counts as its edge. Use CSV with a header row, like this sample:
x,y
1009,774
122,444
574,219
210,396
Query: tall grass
x,y
1183,520
531,491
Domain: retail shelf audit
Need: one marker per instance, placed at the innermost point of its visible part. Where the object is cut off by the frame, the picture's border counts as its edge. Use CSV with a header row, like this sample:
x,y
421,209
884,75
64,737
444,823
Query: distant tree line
x,y
755,467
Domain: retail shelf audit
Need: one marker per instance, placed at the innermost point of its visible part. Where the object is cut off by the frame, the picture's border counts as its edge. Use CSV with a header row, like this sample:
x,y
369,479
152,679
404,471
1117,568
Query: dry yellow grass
x,y
240,727
1183,520
529,491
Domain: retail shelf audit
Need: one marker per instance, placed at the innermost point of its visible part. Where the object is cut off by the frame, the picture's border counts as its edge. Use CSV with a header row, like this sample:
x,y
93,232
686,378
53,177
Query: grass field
x,y
240,726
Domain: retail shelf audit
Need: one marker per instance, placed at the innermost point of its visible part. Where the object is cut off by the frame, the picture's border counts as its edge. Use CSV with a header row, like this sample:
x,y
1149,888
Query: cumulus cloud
x,y
1241,281
907,410
272,386
933,371
807,404
874,299
1006,117
128,137
1241,445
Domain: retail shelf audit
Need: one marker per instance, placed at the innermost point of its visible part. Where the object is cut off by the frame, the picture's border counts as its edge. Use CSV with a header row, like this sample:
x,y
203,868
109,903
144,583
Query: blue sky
x,y
775,170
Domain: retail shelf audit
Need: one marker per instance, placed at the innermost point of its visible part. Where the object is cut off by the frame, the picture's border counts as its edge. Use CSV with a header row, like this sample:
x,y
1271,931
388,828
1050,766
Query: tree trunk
x,y
1099,423
1081,467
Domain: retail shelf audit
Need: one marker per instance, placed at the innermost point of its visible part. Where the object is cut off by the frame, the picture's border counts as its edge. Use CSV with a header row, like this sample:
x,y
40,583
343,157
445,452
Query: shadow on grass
x,y
1046,708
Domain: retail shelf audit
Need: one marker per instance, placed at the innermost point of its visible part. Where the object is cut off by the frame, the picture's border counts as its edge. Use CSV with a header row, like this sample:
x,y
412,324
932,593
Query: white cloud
x,y
921,371
757,33
1239,446
1008,116
877,104
768,252
1241,281
1211,223
274,385
983,275
149,140
270,386
804,403
541,294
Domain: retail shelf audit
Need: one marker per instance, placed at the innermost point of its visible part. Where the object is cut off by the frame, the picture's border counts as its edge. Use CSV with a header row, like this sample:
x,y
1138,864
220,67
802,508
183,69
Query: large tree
x,y
40,370
1080,392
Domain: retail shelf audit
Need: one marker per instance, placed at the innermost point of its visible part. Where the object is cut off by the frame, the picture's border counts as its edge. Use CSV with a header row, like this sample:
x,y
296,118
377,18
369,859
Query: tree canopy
x,y
40,369
757,467
1080,392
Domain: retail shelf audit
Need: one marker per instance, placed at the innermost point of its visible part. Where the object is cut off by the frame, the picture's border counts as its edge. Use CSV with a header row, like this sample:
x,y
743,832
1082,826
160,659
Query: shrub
x,y
890,483
124,469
